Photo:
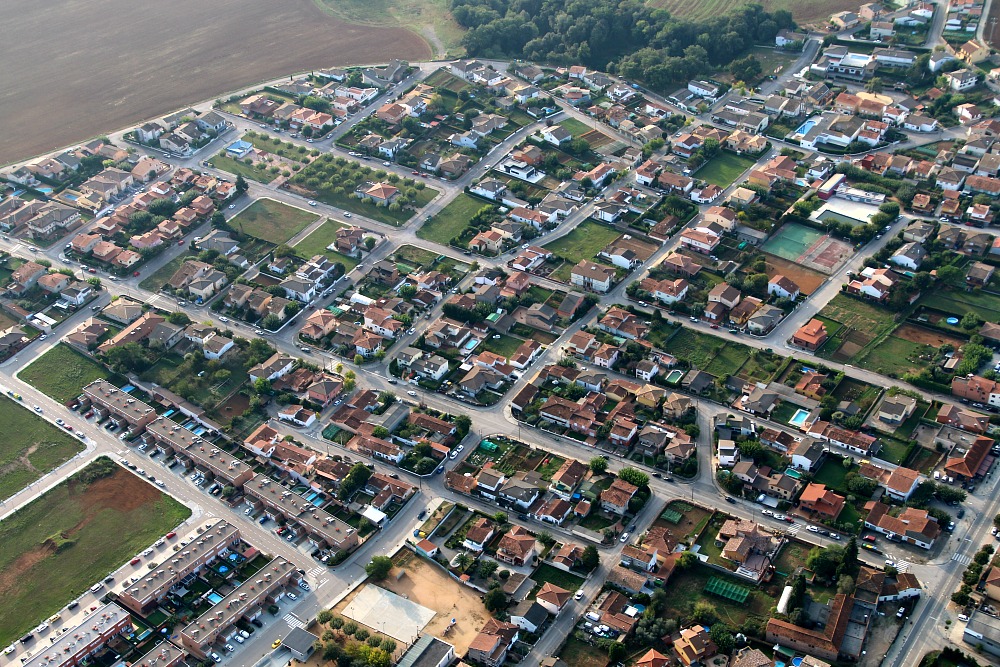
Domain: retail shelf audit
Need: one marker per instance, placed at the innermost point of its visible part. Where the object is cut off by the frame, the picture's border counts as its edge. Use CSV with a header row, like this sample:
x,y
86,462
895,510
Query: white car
x,y
238,639
386,164
347,214
767,512
779,517
312,203
232,206
411,393
578,595
812,529
292,596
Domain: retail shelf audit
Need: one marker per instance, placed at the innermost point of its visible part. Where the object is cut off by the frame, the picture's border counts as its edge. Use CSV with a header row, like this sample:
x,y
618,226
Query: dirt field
x,y
110,63
426,585
807,279
925,336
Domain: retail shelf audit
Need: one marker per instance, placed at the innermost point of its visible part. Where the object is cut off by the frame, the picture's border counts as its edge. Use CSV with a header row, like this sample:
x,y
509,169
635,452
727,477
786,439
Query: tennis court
x,y
808,247
728,590
791,241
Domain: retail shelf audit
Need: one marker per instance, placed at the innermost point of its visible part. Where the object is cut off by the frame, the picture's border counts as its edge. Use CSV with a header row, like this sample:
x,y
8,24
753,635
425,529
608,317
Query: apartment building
x,y
215,538
94,633
119,405
183,443
321,528
246,600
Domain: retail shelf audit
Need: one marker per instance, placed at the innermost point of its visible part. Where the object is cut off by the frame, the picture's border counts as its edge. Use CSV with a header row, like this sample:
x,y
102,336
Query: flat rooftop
x,y
222,464
122,402
73,641
294,506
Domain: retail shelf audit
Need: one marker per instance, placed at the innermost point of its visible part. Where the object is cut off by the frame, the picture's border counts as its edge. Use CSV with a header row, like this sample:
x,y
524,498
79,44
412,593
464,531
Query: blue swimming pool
x,y
44,191
127,388
806,126
214,597
796,661
471,344
69,196
799,418
169,412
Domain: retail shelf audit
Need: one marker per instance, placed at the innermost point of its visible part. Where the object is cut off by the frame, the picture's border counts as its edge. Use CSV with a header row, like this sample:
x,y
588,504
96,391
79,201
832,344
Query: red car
x,y
171,535
789,519
868,538
136,274
134,561
181,242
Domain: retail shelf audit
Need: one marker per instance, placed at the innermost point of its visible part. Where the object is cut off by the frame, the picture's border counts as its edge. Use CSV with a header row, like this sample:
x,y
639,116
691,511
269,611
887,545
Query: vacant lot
x,y
272,221
428,18
575,127
724,168
30,448
807,279
89,88
57,546
584,242
581,654
958,303
895,356
452,219
553,575
240,168
318,240
688,587
61,372
708,353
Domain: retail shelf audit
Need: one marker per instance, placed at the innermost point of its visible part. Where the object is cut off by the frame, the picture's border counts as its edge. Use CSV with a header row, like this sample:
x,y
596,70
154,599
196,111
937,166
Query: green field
x,y
427,18
894,357
724,168
832,473
272,221
958,303
62,372
57,546
581,654
708,353
450,222
804,11
688,587
316,243
575,127
553,575
237,168
154,281
858,315
584,242
31,448
504,346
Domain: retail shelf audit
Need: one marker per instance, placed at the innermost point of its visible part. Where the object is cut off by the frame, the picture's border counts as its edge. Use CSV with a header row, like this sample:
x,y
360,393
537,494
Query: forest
x,y
626,37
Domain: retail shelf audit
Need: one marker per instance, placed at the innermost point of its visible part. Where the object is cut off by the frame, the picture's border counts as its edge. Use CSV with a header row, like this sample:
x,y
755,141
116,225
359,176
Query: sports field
x,y
808,247
57,546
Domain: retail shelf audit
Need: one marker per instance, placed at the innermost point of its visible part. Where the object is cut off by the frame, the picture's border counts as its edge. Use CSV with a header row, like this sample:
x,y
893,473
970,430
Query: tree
x,y
949,273
850,565
378,568
369,242
325,616
633,476
241,184
462,425
687,560
704,613
599,465
495,600
746,69
722,637
845,584
996,521
590,558
874,85
487,567
463,561
499,517
824,562
262,386
970,321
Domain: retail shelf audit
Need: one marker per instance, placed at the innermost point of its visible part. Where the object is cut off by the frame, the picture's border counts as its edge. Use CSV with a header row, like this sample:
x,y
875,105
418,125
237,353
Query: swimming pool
x,y
214,597
69,196
799,418
127,388
674,376
44,191
471,345
805,127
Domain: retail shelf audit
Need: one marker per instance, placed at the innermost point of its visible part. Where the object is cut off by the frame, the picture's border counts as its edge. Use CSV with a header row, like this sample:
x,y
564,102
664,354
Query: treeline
x,y
623,36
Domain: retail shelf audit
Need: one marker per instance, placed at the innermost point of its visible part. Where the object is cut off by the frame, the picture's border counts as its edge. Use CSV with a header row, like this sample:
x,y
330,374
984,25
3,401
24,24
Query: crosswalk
x,y
961,559
315,572
902,566
293,621
794,529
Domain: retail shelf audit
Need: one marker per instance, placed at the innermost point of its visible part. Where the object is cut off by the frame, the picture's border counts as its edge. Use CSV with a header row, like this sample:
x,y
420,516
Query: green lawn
x,y
238,168
504,346
708,353
272,221
958,303
450,222
688,586
62,372
581,654
31,448
724,168
832,474
316,243
158,278
894,357
57,546
575,127
553,575
584,242
859,315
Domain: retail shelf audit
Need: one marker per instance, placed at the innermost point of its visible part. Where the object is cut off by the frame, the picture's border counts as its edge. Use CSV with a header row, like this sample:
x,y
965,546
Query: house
x,y
552,598
528,615
909,256
694,646
818,500
479,534
979,274
556,135
874,283
912,525
276,366
973,52
971,463
615,499
807,454
967,420
592,276
567,479
961,80
516,547
725,294
666,291
783,288
700,239
491,645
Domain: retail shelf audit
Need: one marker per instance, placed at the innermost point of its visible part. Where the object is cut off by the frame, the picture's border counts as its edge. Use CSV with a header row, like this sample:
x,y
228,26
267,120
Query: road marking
x,y
961,559
293,621
316,571
902,565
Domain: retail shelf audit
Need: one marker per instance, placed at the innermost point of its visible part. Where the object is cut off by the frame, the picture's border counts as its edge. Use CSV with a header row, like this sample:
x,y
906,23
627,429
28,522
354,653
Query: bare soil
x,y
425,584
74,69
807,279
924,336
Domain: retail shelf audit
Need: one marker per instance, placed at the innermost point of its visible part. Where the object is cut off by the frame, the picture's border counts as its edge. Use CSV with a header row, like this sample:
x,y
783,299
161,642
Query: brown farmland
x,y
74,69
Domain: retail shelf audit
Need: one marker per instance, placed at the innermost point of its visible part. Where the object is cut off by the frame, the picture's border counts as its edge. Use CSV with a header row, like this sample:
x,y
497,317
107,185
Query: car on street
x,y
578,595
276,643
812,529
731,500
347,215
312,203
411,393
292,596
